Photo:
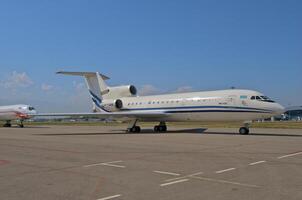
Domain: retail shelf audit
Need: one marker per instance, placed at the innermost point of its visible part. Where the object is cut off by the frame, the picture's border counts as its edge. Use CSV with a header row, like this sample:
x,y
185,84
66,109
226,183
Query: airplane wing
x,y
115,115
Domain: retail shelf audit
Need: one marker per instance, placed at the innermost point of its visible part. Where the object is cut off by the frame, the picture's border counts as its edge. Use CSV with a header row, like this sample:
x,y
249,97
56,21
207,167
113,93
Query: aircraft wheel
x,y
244,131
160,128
7,125
135,129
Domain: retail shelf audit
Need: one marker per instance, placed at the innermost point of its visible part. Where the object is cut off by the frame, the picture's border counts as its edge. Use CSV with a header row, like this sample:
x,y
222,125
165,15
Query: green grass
x,y
281,125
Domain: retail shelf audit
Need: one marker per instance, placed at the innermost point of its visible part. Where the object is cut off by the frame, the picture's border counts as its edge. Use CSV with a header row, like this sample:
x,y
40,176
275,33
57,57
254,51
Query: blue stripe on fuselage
x,y
218,111
196,107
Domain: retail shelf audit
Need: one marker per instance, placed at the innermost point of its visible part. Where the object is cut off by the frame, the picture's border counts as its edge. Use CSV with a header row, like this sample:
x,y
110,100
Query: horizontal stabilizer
x,y
87,74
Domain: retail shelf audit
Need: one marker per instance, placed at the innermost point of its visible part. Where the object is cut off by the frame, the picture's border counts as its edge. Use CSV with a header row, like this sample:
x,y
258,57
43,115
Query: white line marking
x,y
112,165
225,170
174,182
106,164
199,173
257,163
188,176
290,155
167,173
226,182
111,197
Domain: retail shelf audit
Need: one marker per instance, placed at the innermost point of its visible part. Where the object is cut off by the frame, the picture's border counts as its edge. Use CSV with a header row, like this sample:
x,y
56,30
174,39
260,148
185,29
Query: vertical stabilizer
x,y
96,86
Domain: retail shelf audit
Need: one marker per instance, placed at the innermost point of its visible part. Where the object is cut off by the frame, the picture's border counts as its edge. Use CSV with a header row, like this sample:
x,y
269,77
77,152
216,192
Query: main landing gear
x,y
7,124
133,128
162,127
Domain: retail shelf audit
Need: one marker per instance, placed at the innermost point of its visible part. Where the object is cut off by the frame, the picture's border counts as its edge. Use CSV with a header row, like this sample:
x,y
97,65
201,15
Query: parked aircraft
x,y
16,113
122,102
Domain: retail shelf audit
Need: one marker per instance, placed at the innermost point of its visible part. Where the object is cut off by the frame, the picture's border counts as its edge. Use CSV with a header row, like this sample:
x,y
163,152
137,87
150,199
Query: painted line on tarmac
x,y
174,182
225,170
184,177
166,173
111,197
109,164
290,155
257,163
225,182
112,165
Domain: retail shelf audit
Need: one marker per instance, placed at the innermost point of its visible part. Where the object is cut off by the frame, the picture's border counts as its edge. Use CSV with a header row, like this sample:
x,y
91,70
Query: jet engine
x,y
113,105
121,91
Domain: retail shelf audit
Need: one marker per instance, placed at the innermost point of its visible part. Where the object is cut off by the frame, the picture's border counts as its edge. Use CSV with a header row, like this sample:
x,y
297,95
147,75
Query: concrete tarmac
x,y
102,163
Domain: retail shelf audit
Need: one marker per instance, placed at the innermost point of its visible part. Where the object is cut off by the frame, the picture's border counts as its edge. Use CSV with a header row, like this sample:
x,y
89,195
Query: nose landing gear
x,y
132,128
21,125
245,130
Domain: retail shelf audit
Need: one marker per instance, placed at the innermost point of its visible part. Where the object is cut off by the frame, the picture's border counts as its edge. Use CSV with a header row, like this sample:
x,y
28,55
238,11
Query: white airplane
x,y
16,113
122,102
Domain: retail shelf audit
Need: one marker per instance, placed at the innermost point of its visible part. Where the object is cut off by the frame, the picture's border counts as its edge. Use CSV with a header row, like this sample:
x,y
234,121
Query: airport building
x,y
293,113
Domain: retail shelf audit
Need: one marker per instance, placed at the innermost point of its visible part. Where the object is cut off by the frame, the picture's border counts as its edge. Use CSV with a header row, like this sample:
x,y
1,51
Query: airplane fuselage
x,y
16,112
223,105
122,102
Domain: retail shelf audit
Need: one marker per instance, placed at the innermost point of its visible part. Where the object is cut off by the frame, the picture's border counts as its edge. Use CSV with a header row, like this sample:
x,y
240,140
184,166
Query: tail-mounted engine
x,y
120,92
113,105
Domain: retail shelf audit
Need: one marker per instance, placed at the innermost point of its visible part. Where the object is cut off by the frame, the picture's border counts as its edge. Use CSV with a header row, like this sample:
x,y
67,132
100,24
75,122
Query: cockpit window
x,y
266,99
31,108
262,98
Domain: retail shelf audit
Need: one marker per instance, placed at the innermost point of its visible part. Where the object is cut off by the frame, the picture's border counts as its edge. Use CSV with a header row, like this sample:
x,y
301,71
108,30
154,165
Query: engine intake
x,y
119,104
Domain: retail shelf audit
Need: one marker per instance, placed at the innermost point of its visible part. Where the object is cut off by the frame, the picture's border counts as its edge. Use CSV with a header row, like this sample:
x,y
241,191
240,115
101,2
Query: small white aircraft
x,y
16,113
122,102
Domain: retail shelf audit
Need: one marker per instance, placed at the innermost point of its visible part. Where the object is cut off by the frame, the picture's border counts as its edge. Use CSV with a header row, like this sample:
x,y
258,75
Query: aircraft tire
x,y
7,125
244,131
135,129
159,129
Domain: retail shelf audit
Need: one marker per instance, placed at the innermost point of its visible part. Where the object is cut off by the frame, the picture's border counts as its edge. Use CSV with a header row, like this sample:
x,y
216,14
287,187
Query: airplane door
x,y
232,100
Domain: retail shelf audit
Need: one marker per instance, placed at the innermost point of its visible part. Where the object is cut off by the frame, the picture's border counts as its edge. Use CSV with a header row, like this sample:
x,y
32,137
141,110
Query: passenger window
x,y
253,98
258,98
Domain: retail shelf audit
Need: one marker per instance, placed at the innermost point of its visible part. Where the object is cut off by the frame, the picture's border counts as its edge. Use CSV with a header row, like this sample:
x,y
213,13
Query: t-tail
x,y
100,92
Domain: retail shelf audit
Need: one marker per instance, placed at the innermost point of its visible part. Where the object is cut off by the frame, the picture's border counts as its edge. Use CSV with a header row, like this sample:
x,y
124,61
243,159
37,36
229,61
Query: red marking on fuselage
x,y
18,114
22,115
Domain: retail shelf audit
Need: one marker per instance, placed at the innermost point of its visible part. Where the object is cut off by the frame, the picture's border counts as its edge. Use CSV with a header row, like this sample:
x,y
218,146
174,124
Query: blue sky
x,y
159,46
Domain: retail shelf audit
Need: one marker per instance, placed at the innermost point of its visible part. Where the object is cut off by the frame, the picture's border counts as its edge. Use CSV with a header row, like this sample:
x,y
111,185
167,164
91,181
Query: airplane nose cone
x,y
279,109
